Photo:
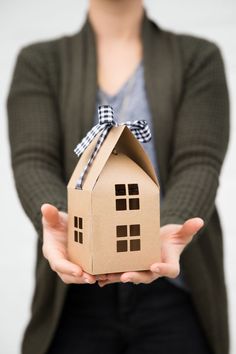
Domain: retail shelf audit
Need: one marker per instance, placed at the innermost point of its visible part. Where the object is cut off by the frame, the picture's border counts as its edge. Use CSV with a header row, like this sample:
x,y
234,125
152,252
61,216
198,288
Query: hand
x,y
174,238
55,247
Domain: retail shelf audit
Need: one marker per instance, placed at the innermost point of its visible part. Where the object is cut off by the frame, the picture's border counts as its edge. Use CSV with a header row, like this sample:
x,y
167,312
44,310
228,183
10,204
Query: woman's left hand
x,y
174,238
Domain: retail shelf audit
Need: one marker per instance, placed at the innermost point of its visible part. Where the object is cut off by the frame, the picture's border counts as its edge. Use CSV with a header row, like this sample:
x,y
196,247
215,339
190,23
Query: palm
x,y
55,247
174,238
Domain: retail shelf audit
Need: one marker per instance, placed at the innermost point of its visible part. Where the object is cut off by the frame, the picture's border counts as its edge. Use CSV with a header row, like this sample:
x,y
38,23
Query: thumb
x,y
190,228
50,215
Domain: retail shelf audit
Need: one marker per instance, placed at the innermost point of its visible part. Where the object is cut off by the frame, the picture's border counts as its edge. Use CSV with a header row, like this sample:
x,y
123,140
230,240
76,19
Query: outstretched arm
x,y
200,138
35,136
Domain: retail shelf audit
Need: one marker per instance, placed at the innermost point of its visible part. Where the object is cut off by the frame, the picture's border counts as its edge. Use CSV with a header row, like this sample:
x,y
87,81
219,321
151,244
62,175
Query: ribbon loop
x,y
139,128
106,115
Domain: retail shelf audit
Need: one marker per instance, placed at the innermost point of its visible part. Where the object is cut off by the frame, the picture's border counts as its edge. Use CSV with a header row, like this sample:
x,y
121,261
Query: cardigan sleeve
x,y
35,137
200,139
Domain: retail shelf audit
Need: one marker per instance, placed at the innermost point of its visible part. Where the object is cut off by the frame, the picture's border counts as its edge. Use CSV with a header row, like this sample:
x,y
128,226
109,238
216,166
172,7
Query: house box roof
x,y
122,138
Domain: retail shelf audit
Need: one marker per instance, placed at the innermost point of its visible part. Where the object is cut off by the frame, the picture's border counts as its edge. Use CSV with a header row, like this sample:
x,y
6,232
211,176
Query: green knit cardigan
x,y
51,106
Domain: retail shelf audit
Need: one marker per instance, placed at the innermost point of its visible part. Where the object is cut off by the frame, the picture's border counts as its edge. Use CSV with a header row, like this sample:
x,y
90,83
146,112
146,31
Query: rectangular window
x,y
134,230
121,230
134,203
135,245
80,237
75,235
121,246
133,189
120,189
121,204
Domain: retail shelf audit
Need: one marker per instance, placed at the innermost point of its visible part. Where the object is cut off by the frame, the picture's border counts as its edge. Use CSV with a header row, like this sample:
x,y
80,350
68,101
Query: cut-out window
x,y
134,245
134,230
120,189
75,235
80,223
121,204
80,237
75,221
122,246
133,189
133,203
121,230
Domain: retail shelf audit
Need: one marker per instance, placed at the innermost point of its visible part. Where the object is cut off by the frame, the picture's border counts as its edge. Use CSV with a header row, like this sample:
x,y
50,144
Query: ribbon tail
x,y
87,139
92,157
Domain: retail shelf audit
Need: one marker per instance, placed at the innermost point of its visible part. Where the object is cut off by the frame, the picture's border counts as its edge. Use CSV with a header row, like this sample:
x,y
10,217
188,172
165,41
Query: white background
x,y
26,21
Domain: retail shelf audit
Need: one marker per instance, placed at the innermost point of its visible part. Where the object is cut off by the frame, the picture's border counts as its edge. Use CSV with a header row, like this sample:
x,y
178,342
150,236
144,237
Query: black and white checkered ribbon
x,y
139,128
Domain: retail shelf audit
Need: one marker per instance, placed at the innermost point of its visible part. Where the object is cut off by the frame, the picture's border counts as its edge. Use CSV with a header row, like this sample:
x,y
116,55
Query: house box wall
x,y
79,204
121,170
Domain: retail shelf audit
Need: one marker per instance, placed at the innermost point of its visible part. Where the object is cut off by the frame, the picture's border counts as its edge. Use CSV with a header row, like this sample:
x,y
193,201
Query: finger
x,y
111,278
145,277
102,283
58,260
114,277
190,228
101,277
70,279
63,218
169,265
89,278
170,270
50,215
62,265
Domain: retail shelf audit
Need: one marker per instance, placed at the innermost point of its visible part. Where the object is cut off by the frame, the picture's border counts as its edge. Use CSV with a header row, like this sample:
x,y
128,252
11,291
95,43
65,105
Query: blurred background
x,y
26,21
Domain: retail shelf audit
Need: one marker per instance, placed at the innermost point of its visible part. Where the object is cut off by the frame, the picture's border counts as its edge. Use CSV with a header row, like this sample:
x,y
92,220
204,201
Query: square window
x,y
121,246
80,223
120,189
134,230
135,245
75,221
121,230
121,204
80,237
76,236
133,189
134,203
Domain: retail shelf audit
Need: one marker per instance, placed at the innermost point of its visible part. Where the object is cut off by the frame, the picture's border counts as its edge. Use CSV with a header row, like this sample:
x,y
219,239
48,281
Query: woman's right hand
x,y
55,247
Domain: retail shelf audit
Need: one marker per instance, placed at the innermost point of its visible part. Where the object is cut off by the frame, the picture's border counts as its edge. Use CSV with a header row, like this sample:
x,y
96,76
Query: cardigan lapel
x,y
79,83
90,76
162,87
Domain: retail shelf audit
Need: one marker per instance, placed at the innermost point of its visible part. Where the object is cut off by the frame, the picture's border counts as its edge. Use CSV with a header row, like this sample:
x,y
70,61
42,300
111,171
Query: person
x,y
177,83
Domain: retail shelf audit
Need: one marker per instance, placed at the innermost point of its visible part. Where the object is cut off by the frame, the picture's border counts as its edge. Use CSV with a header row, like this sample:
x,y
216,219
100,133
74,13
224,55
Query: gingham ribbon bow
x,y
139,128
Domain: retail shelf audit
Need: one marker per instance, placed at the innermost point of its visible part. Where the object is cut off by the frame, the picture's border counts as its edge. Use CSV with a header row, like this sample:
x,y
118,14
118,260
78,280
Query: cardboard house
x,y
114,221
